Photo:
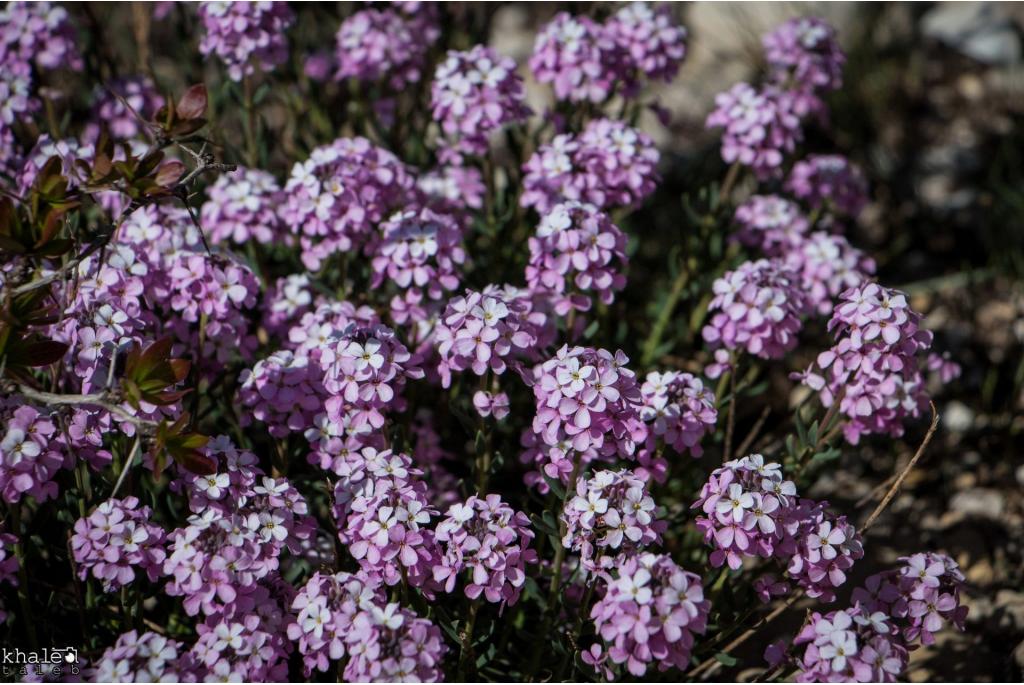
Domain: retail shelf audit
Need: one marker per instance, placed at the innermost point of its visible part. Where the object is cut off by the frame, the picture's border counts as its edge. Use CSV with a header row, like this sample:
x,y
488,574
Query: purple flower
x,y
756,308
652,45
243,206
387,45
248,36
148,657
490,542
578,57
649,614
679,410
474,94
576,250
115,540
829,182
760,127
804,56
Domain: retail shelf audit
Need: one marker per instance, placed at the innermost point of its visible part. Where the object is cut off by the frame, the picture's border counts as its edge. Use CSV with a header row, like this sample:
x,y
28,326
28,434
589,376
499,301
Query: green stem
x,y
654,339
251,150
466,650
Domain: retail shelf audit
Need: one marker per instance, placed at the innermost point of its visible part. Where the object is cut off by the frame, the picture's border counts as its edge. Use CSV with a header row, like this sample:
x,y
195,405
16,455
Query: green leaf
x,y
555,485
726,659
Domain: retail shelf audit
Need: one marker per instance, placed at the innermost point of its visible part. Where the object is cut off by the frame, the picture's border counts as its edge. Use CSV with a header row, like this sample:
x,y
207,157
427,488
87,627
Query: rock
x,y
980,30
1009,611
958,417
1020,474
981,573
981,502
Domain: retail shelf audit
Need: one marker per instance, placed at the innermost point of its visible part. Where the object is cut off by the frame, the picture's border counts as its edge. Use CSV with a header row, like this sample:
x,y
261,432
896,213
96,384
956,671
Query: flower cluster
x,y
37,33
751,511
474,94
116,539
828,265
345,615
586,61
28,462
388,45
488,540
609,164
243,522
871,641
829,182
243,206
123,107
651,44
678,409
770,223
760,126
649,614
756,308
588,401
335,198
365,369
576,56
419,250
248,37
610,518
241,649
285,302
483,331
148,657
383,513
285,391
576,250
804,56
874,368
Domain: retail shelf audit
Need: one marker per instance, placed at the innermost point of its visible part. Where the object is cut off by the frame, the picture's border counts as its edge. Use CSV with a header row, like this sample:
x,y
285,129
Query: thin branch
x,y
127,465
895,487
752,435
98,399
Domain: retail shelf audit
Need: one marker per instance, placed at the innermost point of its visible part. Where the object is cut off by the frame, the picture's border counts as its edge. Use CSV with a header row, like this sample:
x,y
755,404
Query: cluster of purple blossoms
x,y
577,57
242,524
208,297
804,57
871,641
115,540
28,462
248,37
419,250
387,45
148,657
318,327
611,517
828,265
588,402
243,206
648,615
874,368
760,126
679,411
587,62
488,540
39,34
123,109
453,189
285,391
335,199
483,331
474,94
609,164
751,511
241,649
576,250
345,615
285,302
652,45
830,182
365,370
383,512
757,309
770,223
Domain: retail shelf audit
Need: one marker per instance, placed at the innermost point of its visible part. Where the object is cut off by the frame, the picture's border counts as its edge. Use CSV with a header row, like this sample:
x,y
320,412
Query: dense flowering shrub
x,y
373,380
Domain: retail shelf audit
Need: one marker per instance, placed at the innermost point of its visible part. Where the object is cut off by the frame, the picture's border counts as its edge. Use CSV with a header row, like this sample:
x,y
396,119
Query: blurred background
x,y
932,110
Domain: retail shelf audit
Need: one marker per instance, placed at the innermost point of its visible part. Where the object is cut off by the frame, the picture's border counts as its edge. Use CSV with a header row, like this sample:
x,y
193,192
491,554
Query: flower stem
x,y
23,590
658,330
